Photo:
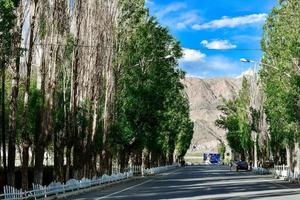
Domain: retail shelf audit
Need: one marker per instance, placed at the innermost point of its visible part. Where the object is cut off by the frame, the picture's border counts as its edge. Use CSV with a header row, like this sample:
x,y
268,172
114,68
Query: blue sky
x,y
215,34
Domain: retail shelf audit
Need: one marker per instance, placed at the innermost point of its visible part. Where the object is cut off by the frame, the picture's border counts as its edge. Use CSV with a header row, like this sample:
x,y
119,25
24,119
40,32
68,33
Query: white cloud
x,y
186,19
248,73
218,44
191,55
174,15
169,9
226,22
209,66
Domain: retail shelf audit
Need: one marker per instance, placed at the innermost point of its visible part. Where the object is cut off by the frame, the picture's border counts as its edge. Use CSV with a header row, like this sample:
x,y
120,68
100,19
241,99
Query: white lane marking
x,y
124,189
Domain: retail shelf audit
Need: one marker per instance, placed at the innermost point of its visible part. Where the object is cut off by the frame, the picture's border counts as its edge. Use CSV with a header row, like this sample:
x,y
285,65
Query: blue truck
x,y
212,158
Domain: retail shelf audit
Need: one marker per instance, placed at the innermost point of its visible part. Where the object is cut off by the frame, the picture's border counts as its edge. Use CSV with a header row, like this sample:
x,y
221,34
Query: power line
x,y
75,45
237,49
198,49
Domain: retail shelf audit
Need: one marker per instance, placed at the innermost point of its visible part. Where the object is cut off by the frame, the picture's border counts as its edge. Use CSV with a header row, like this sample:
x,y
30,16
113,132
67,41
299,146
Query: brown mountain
x,y
204,97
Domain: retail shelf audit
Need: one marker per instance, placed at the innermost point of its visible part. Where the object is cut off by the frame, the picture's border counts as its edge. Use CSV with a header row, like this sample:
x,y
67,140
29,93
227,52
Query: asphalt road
x,y
198,182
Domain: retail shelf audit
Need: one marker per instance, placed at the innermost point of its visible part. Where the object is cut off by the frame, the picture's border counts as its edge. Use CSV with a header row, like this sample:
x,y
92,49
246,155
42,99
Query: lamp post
x,y
255,101
262,64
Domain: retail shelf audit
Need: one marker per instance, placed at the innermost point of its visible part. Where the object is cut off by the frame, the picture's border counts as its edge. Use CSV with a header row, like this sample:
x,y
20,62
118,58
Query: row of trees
x,y
279,86
280,76
243,119
93,83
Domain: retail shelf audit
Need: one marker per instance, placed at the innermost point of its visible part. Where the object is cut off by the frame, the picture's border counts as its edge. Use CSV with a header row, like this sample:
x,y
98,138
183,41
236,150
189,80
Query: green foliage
x,y
63,91
7,21
255,117
34,105
280,73
151,108
222,150
235,119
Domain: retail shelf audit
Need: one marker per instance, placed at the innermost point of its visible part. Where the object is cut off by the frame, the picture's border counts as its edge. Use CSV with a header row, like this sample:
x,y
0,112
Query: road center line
x,y
124,189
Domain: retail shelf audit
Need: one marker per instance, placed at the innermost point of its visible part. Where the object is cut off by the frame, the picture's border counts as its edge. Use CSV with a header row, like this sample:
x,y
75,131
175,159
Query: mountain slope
x,y
204,97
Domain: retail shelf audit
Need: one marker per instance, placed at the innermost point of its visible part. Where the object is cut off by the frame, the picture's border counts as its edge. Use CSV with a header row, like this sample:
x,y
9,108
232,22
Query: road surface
x,y
198,182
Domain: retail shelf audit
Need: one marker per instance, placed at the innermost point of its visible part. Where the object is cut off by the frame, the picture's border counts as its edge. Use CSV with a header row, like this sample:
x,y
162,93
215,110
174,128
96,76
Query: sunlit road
x,y
199,182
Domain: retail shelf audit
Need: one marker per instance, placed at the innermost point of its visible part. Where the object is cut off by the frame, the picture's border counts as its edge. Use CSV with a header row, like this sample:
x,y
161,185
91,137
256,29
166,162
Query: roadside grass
x,y
194,158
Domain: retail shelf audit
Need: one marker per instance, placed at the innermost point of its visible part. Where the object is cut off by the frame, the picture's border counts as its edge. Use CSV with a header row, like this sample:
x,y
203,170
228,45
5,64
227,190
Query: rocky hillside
x,y
204,96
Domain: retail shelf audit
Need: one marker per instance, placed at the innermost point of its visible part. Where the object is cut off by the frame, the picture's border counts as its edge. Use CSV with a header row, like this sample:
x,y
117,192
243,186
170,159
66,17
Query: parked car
x,y
239,165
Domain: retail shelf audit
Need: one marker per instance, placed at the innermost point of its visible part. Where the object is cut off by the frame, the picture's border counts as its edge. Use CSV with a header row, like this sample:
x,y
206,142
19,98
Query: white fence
x,y
282,171
56,188
137,169
157,170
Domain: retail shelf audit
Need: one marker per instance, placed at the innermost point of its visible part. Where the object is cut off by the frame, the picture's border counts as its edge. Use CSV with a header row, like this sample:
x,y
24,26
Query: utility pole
x,y
256,103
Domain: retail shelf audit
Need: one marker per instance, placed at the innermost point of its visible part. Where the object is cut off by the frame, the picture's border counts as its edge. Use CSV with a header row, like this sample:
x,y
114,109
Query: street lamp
x,y
262,64
247,60
255,101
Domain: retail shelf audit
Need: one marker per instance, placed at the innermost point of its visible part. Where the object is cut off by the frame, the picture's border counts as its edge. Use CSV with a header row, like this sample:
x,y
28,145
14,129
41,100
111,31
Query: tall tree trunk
x,y
297,158
66,78
68,127
74,93
55,23
38,163
12,125
39,139
74,99
289,156
107,117
59,157
154,159
61,29
25,135
124,158
73,105
170,158
255,149
68,161
3,120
